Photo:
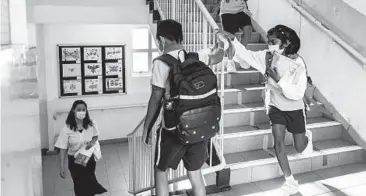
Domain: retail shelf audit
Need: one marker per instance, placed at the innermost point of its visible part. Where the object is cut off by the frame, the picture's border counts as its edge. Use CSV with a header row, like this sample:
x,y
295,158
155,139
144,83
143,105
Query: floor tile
x,y
120,193
118,183
245,189
333,178
310,184
353,191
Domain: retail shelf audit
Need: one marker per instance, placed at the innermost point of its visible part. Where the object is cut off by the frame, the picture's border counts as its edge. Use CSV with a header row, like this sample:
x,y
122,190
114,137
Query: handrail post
x,y
205,32
173,9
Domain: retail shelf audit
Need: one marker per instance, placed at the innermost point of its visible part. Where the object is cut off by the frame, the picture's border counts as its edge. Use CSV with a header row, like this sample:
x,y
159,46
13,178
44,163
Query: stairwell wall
x,y
338,75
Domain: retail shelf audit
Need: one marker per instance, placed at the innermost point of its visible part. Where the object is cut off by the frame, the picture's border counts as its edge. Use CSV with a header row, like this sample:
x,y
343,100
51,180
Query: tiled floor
x,y
112,173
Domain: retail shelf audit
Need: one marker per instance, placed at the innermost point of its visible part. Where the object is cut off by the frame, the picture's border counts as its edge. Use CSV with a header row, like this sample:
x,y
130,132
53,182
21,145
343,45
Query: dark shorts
x,y
232,23
169,152
295,121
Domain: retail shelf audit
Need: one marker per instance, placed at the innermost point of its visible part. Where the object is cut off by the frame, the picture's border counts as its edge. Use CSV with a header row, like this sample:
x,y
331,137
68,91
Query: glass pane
x,y
140,38
153,43
155,54
140,62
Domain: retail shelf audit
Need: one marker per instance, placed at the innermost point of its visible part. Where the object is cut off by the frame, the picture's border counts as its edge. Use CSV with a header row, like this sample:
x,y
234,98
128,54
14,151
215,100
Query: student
x,y
169,150
286,85
235,19
79,130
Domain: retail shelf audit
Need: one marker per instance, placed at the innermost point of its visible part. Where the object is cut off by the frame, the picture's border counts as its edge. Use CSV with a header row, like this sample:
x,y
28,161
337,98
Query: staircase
x,y
247,137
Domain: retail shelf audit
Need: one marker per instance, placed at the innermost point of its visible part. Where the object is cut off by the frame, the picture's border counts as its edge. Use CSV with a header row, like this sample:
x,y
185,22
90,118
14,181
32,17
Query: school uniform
x,y
85,181
169,151
284,99
234,15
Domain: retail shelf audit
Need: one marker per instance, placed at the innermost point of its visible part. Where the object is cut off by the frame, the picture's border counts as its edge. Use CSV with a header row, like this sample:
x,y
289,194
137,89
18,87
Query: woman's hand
x,y
89,144
272,72
62,172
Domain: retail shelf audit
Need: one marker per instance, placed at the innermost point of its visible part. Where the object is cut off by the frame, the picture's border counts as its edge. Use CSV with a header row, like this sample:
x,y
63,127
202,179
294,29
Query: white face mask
x,y
275,48
80,115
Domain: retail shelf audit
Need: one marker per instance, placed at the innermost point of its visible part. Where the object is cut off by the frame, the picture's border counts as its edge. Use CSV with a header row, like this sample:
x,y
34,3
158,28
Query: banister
x,y
206,14
137,127
335,37
57,112
211,21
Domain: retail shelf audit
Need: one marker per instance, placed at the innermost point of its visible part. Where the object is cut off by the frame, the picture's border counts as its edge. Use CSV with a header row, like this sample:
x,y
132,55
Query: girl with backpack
x,y
285,88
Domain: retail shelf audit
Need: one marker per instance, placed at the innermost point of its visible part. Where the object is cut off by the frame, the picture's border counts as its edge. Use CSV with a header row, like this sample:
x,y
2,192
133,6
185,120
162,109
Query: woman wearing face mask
x,y
285,72
80,130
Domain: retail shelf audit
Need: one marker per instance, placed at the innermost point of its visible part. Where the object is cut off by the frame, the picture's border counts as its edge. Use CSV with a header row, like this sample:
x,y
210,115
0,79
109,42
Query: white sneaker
x,y
290,187
230,66
309,148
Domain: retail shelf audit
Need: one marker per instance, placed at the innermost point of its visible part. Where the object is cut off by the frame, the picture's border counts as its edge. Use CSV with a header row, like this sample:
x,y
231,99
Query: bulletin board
x,y
91,69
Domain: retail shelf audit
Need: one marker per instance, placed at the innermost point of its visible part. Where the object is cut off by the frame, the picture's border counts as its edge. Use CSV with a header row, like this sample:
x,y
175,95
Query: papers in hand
x,y
82,156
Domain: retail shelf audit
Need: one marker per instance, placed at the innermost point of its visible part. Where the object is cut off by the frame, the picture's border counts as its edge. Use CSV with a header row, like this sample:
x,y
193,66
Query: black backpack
x,y
194,109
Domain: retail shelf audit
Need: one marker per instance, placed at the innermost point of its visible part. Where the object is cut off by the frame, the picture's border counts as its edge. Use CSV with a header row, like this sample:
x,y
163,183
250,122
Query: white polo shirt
x,y
233,6
74,140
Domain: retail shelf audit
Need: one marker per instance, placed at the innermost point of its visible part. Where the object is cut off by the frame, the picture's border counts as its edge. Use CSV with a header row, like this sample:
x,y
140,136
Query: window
x,y
90,70
144,50
5,23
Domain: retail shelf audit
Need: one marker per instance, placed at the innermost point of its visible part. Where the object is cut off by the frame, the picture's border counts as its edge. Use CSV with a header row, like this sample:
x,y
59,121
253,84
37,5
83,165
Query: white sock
x,y
290,178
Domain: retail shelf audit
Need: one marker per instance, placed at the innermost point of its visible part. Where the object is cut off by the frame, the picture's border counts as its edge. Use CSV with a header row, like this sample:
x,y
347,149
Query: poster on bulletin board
x,y
91,69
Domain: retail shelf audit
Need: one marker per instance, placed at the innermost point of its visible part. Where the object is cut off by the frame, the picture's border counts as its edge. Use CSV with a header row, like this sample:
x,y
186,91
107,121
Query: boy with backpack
x,y
186,88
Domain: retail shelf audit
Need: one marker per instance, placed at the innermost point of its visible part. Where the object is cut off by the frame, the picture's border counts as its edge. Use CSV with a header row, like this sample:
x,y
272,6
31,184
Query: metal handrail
x,y
57,112
199,32
336,38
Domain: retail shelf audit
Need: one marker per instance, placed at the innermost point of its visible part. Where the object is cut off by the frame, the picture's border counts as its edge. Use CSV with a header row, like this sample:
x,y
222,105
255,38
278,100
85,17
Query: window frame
x,y
150,50
8,42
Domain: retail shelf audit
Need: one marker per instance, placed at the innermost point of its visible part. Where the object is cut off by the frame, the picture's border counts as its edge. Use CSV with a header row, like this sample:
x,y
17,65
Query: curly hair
x,y
286,35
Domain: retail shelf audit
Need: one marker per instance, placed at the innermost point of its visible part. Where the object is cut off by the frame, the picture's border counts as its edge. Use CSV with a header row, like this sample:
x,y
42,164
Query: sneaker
x,y
230,66
290,187
309,148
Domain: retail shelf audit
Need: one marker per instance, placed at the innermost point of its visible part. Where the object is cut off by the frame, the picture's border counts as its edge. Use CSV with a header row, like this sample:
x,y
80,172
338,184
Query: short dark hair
x,y
286,34
170,29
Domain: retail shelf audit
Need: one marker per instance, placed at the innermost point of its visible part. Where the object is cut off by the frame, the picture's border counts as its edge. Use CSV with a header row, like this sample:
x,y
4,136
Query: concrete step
x,y
252,47
240,77
258,165
236,115
239,94
248,138
197,37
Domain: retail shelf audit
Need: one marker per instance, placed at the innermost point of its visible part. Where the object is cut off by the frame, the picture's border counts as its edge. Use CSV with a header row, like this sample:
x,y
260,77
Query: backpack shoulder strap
x,y
168,59
192,55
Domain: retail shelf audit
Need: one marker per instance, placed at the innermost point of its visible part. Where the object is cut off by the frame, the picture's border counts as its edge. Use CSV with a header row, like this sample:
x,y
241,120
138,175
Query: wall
x,y
21,161
46,14
341,18
359,5
337,75
114,123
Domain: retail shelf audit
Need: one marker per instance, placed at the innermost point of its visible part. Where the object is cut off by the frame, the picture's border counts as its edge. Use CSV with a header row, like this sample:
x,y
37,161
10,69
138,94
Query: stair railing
x,y
199,33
